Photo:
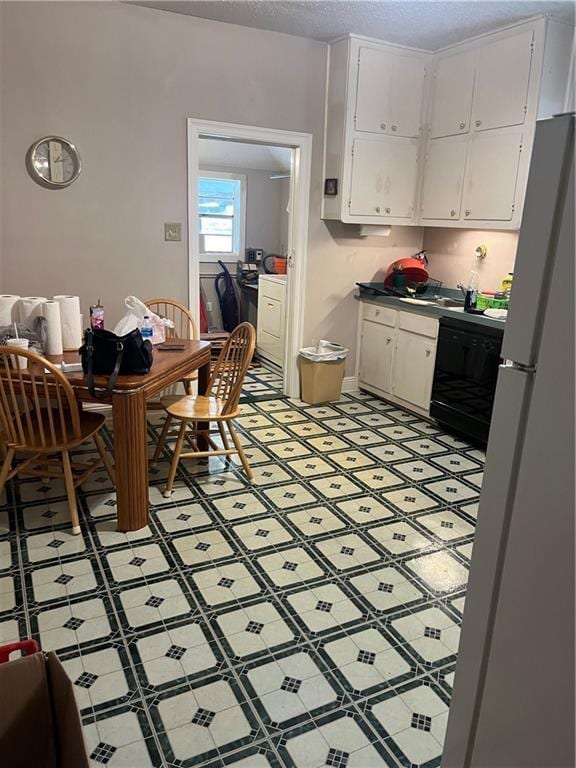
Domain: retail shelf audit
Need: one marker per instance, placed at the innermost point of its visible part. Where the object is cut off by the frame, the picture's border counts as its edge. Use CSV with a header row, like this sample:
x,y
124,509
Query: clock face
x,y
53,162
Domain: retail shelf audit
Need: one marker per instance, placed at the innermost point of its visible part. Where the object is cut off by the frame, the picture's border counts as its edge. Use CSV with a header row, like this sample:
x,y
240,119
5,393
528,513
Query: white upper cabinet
x,y
502,78
373,91
452,89
445,165
433,164
383,178
491,175
406,93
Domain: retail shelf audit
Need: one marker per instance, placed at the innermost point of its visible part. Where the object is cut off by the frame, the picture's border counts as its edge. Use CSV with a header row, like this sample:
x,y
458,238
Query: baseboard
x,y
350,384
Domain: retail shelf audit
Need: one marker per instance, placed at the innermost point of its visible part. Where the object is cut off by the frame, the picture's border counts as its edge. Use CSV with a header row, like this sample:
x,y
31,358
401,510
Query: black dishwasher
x,y
465,374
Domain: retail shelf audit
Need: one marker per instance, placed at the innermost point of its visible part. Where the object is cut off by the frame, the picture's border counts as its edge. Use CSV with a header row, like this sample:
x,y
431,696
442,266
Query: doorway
x,y
248,195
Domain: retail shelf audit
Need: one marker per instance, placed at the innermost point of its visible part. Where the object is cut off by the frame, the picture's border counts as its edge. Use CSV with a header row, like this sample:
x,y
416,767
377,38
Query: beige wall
x,y
451,254
120,81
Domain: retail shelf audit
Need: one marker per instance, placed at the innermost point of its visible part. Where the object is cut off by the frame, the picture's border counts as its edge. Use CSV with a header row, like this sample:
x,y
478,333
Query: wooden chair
x,y
39,417
219,405
184,327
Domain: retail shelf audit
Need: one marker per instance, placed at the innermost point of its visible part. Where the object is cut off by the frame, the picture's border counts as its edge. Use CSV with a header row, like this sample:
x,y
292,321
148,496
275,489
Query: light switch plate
x,y
172,231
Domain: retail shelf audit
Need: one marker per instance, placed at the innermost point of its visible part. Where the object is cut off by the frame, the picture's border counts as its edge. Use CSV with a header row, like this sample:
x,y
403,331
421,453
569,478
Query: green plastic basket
x,y
489,302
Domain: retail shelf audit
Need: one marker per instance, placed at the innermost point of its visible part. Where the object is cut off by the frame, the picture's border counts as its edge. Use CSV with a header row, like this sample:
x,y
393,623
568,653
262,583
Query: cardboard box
x,y
320,382
40,725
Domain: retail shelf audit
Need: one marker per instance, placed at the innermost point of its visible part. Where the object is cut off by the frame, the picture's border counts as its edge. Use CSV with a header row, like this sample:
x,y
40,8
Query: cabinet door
x,y
401,169
376,353
444,168
406,90
413,369
491,174
384,175
373,94
502,77
452,94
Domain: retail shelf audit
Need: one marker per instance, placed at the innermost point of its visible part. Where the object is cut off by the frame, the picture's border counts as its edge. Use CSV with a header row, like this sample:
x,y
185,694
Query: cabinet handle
x,y
377,312
388,339
271,305
387,210
394,127
478,123
377,209
383,126
452,212
462,126
467,212
428,352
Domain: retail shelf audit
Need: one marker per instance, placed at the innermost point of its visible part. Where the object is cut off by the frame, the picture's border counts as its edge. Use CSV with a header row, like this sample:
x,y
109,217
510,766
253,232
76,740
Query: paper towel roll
x,y
30,308
9,309
71,321
54,344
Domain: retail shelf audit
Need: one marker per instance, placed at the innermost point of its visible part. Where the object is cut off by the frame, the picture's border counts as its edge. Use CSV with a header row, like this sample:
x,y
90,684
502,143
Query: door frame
x,y
300,177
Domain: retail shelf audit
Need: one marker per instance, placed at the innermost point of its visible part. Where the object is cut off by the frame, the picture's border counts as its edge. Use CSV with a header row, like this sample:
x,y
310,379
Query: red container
x,y
413,270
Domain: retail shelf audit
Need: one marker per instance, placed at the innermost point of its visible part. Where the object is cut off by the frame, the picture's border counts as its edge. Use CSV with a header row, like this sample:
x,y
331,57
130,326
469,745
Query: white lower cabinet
x,y
397,352
413,368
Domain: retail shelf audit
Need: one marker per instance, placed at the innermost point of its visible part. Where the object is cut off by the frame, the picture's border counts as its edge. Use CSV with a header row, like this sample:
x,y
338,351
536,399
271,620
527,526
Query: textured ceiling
x,y
234,154
427,24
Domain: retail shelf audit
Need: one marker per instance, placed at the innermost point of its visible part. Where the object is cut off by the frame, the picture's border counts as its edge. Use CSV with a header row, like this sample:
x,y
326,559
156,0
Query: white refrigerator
x,y
513,698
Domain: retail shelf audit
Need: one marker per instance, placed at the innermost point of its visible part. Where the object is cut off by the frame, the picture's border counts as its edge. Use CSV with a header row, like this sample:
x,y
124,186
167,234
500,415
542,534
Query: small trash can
x,y
321,372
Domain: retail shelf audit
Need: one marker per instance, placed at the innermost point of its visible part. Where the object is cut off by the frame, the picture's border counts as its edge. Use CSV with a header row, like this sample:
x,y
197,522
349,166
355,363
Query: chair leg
x,y
222,431
71,491
105,458
6,466
187,384
240,450
162,439
175,460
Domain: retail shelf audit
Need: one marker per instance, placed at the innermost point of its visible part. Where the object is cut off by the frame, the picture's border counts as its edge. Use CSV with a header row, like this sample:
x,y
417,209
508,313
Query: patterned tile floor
x,y
262,382
309,619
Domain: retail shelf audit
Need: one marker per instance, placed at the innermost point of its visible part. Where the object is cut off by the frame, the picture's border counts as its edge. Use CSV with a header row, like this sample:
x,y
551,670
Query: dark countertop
x,y
394,302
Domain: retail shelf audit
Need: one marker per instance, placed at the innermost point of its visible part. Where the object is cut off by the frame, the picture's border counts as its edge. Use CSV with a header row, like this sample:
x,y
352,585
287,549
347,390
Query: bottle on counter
x,y
146,329
97,316
507,284
471,292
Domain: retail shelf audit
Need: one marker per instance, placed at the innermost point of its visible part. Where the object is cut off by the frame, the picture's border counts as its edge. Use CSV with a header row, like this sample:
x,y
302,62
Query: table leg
x,y
131,455
203,426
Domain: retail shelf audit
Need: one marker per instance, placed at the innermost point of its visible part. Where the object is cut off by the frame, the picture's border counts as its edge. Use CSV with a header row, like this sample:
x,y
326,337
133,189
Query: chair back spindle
x,y
228,375
37,403
184,325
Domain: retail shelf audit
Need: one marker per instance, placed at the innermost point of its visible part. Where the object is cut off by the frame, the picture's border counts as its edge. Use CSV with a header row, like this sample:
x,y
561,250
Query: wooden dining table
x,y
128,401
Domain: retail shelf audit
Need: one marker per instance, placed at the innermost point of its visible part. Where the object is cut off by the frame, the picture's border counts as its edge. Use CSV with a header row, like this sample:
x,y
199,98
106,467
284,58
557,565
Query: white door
x,y
491,174
452,94
502,77
406,90
444,168
376,354
369,158
413,368
401,175
373,94
384,177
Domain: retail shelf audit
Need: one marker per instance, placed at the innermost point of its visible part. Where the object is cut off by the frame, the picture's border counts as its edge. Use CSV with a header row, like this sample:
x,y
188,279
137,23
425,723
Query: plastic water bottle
x,y
146,329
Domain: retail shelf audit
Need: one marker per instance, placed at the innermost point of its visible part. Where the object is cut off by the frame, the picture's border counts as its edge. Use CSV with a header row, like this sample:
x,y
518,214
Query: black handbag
x,y
105,354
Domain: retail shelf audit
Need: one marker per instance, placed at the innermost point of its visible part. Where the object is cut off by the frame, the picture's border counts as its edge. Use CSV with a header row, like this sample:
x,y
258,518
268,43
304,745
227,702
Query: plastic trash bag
x,y
325,352
134,317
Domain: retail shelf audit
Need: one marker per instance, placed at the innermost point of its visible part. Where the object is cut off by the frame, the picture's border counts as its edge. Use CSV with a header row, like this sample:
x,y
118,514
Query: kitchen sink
x,y
445,301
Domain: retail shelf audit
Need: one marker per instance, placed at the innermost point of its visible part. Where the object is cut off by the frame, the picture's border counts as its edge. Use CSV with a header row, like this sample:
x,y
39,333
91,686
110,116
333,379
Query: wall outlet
x,y
208,306
172,231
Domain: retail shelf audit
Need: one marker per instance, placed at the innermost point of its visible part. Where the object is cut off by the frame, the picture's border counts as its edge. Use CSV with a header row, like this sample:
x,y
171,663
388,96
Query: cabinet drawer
x,y
425,326
272,289
379,314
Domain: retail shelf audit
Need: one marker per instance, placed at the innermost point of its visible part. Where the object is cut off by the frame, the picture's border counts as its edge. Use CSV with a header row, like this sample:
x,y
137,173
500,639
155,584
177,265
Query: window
x,y
222,215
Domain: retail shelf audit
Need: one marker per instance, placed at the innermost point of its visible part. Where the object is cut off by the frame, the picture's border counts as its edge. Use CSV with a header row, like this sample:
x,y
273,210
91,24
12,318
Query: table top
x,y
166,367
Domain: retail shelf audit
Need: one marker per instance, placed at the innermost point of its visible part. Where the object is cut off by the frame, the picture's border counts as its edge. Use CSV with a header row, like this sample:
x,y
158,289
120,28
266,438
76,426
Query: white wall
x,y
451,254
119,81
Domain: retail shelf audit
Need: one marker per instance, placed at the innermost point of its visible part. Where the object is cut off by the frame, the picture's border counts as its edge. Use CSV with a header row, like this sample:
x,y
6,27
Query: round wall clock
x,y
53,162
